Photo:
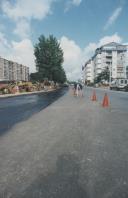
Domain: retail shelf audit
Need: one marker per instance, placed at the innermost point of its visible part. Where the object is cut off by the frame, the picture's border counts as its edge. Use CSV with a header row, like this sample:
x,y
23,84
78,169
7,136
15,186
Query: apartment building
x,y
126,63
1,68
89,71
113,56
12,71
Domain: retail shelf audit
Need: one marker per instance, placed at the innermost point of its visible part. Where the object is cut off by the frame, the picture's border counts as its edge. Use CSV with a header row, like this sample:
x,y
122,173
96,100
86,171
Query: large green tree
x,y
49,59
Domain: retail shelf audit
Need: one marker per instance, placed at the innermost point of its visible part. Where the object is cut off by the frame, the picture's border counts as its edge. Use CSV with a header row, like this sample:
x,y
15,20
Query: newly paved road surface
x,y
74,148
19,108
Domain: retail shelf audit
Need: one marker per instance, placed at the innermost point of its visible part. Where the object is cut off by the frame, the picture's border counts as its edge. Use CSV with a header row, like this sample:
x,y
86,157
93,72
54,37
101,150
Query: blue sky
x,y
80,26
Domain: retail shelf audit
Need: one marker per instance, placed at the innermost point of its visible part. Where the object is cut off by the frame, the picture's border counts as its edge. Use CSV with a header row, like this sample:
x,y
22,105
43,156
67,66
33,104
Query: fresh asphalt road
x,y
19,108
74,148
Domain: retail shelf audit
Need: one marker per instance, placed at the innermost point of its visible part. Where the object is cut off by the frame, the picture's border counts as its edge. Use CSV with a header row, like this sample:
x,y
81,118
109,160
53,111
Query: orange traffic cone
x,y
93,98
105,101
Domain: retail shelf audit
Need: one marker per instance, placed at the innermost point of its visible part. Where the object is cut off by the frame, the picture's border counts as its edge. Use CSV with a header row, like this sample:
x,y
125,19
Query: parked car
x,y
119,84
126,88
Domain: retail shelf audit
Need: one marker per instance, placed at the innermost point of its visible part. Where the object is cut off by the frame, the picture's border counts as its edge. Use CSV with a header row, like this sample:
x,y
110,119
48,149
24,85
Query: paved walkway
x,y
72,149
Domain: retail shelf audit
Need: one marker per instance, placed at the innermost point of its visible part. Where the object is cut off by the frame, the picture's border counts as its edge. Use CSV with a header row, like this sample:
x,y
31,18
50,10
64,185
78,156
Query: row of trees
x,y
49,60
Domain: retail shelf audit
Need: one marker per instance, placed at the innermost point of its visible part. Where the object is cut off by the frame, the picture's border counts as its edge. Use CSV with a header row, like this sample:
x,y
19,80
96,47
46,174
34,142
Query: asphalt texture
x,y
19,108
74,148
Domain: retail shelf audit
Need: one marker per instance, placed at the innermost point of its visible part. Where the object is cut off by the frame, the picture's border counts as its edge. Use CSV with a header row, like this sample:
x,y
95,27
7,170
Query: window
x,y
125,82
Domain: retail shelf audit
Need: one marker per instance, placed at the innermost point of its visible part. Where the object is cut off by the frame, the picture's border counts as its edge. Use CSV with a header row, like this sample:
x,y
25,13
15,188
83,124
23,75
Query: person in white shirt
x,y
79,89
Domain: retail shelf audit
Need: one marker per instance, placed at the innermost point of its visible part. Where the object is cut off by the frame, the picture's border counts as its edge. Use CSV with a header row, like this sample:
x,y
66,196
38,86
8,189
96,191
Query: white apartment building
x,y
113,56
126,63
12,71
89,71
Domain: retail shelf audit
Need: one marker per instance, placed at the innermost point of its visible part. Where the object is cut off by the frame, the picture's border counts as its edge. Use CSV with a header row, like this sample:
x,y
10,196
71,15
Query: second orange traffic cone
x,y
93,98
105,101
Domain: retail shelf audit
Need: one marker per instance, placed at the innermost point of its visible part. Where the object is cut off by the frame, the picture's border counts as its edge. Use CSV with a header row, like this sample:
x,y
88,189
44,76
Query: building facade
x,y
12,71
89,71
113,56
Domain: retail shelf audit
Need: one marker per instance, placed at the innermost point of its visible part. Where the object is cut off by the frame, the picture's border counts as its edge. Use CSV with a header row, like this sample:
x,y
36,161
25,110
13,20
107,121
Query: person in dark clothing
x,y
79,89
74,88
80,85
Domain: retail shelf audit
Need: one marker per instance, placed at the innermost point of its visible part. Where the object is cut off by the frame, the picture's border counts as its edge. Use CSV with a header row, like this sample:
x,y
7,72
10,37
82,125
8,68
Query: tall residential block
x,y
12,71
113,56
89,71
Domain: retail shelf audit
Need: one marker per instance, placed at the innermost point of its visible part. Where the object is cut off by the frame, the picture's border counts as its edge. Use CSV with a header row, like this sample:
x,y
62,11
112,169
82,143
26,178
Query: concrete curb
x,y
26,93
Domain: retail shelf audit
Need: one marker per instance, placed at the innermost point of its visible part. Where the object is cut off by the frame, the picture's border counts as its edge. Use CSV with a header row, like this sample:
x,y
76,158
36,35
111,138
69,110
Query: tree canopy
x,y
103,76
49,59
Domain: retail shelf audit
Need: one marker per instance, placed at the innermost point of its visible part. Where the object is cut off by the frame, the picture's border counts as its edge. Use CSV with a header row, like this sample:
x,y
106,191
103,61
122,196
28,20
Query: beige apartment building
x,y
12,71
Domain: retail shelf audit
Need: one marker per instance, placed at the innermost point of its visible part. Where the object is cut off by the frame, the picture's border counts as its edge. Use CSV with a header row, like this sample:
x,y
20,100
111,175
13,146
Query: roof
x,y
114,44
87,62
111,47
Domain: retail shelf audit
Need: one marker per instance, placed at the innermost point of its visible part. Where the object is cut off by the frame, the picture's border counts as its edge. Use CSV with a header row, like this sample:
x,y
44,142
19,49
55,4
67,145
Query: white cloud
x,y
75,57
21,52
113,17
4,45
89,50
23,11
36,9
22,28
72,58
71,3
107,39
76,2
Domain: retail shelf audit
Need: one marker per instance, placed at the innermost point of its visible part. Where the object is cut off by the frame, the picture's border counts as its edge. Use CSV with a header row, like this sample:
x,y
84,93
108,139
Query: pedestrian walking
x,y
74,89
79,90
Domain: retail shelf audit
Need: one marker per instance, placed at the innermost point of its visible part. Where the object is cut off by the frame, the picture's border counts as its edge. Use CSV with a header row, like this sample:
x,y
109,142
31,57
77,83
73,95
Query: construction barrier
x,y
94,98
105,102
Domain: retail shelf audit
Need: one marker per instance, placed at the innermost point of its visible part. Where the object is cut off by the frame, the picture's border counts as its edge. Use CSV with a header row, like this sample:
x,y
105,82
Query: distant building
x,y
12,71
113,56
89,71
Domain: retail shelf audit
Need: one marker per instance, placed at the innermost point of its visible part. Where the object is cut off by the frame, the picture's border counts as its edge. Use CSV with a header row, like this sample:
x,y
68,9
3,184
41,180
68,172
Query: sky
x,y
79,25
